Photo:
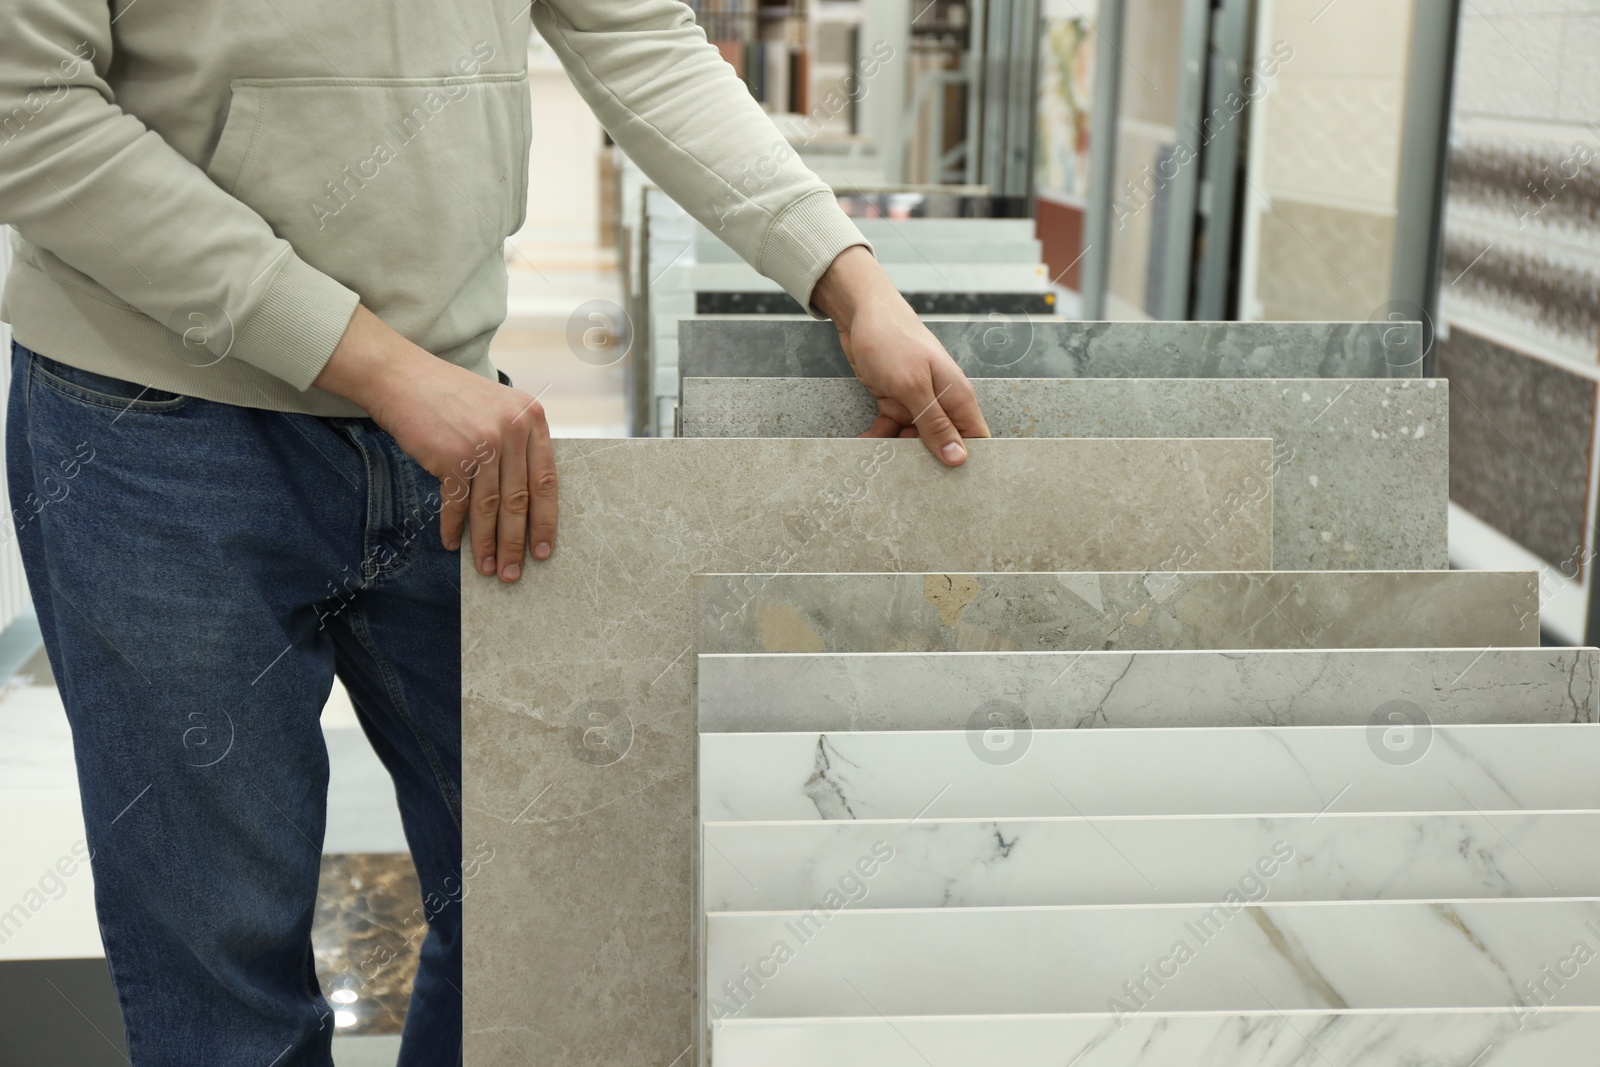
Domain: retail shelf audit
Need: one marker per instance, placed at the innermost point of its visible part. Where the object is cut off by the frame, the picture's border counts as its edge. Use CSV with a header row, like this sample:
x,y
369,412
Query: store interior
x,y
1367,230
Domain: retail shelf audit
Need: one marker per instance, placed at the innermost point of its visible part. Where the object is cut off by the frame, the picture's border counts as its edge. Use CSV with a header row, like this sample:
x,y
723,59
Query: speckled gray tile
x,y
1521,432
744,613
1015,346
1362,475
1096,690
578,721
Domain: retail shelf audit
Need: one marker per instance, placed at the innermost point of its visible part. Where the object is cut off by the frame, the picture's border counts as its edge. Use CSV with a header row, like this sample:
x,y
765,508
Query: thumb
x,y
934,426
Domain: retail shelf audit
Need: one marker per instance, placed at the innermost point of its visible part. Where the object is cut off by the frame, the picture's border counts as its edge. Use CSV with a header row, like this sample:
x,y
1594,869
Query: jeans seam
x,y
358,626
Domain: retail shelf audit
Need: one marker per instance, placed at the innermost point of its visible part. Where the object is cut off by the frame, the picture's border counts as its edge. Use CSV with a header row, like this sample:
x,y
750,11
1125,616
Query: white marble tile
x,y
764,866
995,773
1097,689
1505,1038
1225,956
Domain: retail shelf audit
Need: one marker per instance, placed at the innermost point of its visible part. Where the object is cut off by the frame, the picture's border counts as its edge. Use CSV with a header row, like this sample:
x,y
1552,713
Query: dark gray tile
x,y
1014,346
1521,430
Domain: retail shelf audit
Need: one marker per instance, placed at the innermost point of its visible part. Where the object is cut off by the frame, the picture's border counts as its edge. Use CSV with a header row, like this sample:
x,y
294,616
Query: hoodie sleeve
x,y
666,95
94,187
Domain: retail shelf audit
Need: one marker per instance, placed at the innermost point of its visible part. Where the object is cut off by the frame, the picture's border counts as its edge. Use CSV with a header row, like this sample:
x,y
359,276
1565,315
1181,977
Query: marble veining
x,y
1221,956
1078,612
1096,690
1008,772
1009,344
1523,1037
1360,482
966,863
577,709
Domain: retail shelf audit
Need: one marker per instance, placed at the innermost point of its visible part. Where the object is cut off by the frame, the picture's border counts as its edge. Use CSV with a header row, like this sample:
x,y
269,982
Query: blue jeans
x,y
201,573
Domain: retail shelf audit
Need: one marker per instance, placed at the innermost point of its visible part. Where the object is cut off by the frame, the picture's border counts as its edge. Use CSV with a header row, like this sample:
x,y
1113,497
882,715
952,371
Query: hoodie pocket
x,y
403,189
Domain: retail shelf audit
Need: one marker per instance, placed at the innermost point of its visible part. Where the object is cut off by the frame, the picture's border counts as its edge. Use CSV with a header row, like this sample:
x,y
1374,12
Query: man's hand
x,y
488,445
920,390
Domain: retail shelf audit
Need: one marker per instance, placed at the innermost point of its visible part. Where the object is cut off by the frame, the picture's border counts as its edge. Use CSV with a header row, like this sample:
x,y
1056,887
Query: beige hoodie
x,y
243,173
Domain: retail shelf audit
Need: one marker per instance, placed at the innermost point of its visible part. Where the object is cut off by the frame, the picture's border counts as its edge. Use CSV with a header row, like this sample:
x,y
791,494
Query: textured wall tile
x,y
1335,137
1580,81
1540,293
1509,67
578,724
1361,483
1011,346
1079,612
1323,262
1521,430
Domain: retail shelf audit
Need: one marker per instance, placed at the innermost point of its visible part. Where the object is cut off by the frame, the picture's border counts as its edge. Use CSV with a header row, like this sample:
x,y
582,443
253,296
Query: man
x,y
258,268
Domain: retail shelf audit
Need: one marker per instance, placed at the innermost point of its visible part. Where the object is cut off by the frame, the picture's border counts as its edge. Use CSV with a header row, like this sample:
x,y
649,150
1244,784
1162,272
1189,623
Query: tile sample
x,y
1383,955
737,613
1519,1037
578,722
991,773
920,276
1000,346
1521,433
1097,690
937,863
922,302
1362,476
895,249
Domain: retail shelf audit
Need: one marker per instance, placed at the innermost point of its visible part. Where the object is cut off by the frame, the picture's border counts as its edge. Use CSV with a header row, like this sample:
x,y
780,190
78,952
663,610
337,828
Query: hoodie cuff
x,y
804,241
299,322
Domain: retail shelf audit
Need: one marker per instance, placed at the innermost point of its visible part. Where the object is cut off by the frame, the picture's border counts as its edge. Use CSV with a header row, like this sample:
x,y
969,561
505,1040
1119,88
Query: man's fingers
x,y
511,525
884,426
484,513
455,490
541,484
960,400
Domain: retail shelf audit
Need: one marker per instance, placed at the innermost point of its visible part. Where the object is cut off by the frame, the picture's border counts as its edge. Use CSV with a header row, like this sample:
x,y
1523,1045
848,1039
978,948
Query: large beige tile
x,y
577,711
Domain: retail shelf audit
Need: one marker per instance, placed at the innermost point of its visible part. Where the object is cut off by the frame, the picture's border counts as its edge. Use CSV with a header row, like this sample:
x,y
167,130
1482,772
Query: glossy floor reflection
x,y
368,930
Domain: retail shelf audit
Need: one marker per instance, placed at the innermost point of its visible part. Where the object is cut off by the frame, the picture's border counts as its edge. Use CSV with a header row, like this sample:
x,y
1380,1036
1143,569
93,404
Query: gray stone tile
x,y
1016,346
1361,481
578,721
1093,690
1521,433
907,612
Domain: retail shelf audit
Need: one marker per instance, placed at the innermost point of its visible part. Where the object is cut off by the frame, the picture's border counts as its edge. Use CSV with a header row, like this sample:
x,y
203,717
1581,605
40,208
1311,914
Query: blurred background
x,y
1343,160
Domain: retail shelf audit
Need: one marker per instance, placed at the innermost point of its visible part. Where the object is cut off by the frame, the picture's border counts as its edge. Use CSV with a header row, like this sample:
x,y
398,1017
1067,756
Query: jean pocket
x,y
99,389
